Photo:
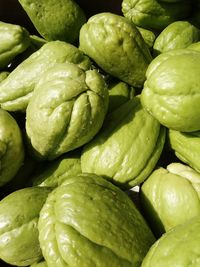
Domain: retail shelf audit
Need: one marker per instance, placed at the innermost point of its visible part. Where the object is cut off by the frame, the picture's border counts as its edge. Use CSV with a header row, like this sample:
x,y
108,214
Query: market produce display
x,y
100,133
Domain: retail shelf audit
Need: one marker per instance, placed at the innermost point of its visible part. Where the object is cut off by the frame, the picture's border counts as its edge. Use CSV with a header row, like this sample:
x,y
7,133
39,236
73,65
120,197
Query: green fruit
x,y
39,264
148,36
14,40
3,75
116,46
127,148
66,111
171,196
171,92
11,147
17,89
194,46
177,35
178,247
19,214
55,19
90,222
153,14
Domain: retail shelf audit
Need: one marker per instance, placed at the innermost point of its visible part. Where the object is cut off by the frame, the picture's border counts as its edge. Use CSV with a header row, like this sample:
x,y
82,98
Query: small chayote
x,y
19,213
128,146
194,46
66,110
11,147
179,34
3,75
171,91
39,264
177,248
171,196
148,36
14,40
88,221
17,89
116,45
55,20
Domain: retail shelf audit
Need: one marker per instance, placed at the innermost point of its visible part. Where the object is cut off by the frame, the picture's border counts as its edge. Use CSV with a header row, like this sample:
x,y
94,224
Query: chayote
x,y
17,89
171,92
3,75
19,213
171,196
11,147
14,40
194,46
148,36
39,264
66,111
186,147
127,148
90,222
177,35
153,14
55,19
116,46
178,247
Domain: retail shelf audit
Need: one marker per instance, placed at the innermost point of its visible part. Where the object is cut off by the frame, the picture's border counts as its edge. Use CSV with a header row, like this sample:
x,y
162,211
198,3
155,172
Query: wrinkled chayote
x,y
90,222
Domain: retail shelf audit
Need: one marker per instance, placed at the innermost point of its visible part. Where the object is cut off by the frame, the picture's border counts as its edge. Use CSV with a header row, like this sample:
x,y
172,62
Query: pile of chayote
x,y
100,136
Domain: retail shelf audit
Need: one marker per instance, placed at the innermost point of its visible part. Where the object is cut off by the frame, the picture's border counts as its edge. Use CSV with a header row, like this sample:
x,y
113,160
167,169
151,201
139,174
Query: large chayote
x,y
116,46
66,110
179,34
171,92
11,147
55,19
186,147
171,196
19,212
90,222
16,90
14,40
128,146
177,248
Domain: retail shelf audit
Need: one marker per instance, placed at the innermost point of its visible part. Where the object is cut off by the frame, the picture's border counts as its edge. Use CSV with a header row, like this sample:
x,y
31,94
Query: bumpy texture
x,y
66,111
19,212
14,40
55,19
178,247
171,92
116,46
89,222
11,147
16,90
153,14
179,34
186,147
128,146
171,196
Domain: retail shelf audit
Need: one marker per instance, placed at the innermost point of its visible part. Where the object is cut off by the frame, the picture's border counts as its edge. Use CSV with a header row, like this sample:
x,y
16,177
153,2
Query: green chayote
x,y
55,19
194,46
19,213
90,222
171,196
39,264
17,89
171,91
148,36
178,247
66,110
116,46
128,146
3,75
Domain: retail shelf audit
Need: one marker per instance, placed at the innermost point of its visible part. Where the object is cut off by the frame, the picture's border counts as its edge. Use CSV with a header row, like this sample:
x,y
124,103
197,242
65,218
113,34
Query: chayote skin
x,y
177,35
39,264
170,197
186,147
14,40
66,111
116,46
17,89
148,36
127,148
11,147
90,222
57,172
3,75
171,92
178,247
19,213
153,14
194,46
55,19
